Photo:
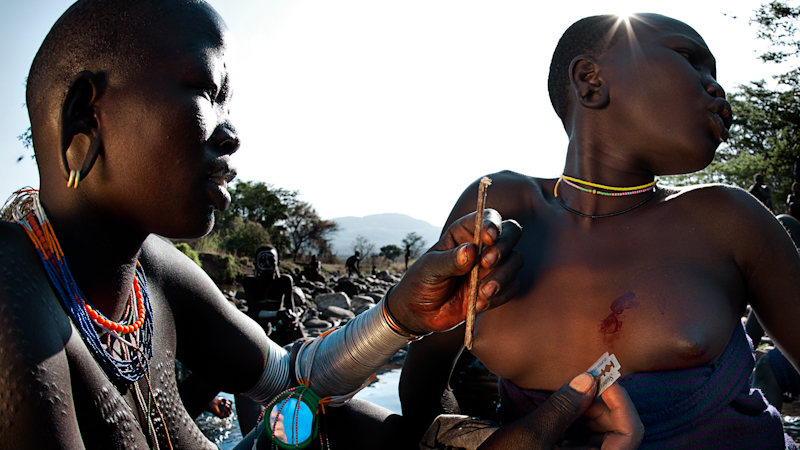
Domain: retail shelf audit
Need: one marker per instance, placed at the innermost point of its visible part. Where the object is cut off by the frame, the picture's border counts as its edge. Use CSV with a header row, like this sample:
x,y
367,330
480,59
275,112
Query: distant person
x,y
761,191
352,265
793,200
268,289
408,254
313,270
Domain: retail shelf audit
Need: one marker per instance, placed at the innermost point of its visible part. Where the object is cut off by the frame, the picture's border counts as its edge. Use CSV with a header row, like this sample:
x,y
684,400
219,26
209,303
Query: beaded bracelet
x,y
396,326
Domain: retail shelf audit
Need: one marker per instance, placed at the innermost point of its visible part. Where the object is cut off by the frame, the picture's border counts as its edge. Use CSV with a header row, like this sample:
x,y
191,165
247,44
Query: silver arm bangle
x,y
342,361
275,378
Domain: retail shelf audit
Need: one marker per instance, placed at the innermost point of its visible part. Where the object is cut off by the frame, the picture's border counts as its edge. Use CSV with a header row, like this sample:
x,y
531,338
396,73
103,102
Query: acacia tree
x,y
414,242
364,246
391,252
257,203
305,229
765,135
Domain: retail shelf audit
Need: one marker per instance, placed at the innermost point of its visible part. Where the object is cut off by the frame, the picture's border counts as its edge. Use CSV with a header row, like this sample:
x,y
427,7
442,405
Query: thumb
x,y
437,266
565,406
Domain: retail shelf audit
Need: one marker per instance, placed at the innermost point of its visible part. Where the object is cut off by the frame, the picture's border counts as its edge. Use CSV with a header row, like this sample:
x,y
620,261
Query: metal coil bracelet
x,y
341,362
275,378
338,364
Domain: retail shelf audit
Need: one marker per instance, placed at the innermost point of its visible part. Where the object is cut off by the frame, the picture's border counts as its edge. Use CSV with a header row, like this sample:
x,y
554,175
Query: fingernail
x,y
490,258
461,255
492,231
490,289
582,383
482,305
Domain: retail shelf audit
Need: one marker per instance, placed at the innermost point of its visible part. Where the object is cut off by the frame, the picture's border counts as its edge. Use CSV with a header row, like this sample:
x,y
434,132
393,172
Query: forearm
x,y
342,361
336,364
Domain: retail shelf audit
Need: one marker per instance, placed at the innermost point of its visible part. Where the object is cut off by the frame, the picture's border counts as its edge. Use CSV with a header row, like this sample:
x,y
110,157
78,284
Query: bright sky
x,y
370,106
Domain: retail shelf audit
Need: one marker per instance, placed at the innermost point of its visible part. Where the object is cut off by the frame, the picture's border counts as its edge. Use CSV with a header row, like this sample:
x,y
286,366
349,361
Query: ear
x,y
78,117
587,84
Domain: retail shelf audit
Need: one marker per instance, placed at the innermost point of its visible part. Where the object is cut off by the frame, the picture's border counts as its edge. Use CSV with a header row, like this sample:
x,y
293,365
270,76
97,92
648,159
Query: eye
x,y
685,53
210,91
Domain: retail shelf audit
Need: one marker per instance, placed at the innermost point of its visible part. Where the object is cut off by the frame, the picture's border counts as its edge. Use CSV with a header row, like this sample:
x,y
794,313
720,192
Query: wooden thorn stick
x,y
473,281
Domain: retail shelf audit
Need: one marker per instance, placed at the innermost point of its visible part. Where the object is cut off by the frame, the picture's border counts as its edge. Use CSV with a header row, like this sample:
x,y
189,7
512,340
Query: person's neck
x,y
604,168
101,254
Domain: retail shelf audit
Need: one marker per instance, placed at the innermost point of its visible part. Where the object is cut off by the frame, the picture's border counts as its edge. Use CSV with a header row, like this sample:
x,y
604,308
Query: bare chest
x,y
658,297
132,415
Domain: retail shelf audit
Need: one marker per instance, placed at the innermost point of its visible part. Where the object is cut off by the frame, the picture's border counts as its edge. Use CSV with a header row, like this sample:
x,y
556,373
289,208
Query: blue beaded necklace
x,y
135,349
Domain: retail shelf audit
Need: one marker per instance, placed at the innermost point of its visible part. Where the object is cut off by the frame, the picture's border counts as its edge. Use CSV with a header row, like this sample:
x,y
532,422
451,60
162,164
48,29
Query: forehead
x,y
648,28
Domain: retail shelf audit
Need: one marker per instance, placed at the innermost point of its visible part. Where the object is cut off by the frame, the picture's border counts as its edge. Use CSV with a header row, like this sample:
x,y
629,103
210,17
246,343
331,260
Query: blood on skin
x,y
612,323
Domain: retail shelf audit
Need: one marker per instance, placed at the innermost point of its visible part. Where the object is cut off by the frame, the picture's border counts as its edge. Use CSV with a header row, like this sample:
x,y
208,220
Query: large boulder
x,y
338,313
363,308
359,300
387,277
347,286
375,295
339,299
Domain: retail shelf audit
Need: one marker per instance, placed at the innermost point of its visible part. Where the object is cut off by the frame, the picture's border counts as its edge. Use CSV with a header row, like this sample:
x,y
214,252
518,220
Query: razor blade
x,y
606,369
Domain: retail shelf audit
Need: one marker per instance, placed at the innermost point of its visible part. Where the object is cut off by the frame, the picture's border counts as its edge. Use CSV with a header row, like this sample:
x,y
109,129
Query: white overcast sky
x,y
374,106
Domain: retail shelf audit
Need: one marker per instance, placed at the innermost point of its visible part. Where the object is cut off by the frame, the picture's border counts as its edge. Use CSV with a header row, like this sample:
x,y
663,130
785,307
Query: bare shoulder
x,y
34,330
27,300
734,217
220,343
510,193
728,206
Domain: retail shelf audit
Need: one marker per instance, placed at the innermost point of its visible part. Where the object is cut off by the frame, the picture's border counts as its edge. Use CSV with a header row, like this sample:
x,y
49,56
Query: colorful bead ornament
x,y
600,216
627,190
133,334
638,190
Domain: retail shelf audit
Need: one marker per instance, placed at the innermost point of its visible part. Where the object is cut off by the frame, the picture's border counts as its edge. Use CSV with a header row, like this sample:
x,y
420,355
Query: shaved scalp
x,y
590,36
110,38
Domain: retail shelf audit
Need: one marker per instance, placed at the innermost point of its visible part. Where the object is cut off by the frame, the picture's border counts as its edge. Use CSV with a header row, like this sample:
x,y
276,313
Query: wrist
x,y
396,325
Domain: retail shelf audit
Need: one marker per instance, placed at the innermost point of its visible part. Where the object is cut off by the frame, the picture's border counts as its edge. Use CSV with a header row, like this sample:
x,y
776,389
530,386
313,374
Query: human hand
x,y
220,407
433,294
614,421
276,424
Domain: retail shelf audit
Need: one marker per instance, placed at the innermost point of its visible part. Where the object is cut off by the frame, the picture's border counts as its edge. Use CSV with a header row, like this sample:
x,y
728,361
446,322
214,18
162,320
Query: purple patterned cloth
x,y
696,408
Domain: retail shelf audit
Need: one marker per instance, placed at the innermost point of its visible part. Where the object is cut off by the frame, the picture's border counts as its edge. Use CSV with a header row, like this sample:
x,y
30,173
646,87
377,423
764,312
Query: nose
x,y
225,138
714,88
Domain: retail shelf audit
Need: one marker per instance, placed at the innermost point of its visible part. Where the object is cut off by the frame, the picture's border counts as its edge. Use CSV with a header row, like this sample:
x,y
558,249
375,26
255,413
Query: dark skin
x,y
165,141
674,275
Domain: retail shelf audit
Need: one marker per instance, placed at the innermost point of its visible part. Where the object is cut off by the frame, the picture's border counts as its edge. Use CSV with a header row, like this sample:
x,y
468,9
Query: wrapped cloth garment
x,y
702,407
457,432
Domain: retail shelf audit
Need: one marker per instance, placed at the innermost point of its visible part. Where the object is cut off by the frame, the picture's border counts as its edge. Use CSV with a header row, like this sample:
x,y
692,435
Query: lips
x,y
722,117
219,177
222,175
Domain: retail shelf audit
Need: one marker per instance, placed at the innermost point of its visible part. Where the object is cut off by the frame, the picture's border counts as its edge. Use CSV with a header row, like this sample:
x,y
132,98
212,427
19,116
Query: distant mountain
x,y
381,230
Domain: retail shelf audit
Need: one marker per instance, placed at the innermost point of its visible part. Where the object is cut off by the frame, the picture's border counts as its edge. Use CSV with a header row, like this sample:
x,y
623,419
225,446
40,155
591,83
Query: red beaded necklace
x,y
119,327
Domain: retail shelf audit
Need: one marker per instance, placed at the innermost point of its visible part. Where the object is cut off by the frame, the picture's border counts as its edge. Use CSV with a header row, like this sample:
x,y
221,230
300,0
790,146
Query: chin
x,y
189,230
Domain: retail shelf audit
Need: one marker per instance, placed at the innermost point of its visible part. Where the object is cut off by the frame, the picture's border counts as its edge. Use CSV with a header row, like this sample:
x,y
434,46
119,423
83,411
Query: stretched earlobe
x,y
587,84
78,117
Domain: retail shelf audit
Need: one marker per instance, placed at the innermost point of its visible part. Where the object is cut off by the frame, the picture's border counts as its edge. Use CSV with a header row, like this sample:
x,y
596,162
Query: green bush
x,y
188,251
245,237
231,269
210,243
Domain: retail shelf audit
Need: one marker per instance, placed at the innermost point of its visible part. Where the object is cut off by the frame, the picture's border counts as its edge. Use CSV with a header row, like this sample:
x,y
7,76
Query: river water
x,y
226,433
